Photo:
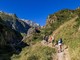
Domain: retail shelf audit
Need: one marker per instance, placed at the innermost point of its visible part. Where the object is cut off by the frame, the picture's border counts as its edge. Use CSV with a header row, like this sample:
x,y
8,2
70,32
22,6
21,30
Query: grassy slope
x,y
61,17
35,52
70,35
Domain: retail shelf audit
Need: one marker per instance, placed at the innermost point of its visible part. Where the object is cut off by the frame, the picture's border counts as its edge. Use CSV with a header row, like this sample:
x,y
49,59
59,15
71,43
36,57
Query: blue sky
x,y
36,10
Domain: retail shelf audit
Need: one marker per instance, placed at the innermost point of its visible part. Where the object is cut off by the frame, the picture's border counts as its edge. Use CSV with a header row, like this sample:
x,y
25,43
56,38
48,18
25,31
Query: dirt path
x,y
60,56
64,55
67,55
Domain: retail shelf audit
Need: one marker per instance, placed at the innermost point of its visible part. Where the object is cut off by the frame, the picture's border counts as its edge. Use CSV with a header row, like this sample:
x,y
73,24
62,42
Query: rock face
x,y
10,41
51,20
17,24
13,22
31,31
11,27
31,23
7,35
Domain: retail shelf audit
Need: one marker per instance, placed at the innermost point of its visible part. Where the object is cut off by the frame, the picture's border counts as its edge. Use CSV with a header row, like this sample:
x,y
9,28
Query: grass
x,y
36,52
61,17
70,36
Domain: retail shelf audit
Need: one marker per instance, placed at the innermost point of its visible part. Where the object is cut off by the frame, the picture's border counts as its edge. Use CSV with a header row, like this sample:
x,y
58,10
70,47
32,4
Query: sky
x,y
36,10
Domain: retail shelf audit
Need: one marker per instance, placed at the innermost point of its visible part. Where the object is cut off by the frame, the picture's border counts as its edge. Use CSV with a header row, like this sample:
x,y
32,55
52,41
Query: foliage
x,y
37,52
62,16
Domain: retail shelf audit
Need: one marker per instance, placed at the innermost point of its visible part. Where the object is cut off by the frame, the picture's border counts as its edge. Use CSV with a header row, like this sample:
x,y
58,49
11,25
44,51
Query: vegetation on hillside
x,y
61,17
70,33
70,36
35,52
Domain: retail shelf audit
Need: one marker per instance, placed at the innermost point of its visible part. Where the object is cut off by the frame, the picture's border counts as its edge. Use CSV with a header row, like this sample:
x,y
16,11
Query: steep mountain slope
x,y
65,24
57,19
67,29
57,31
11,28
71,35
8,37
15,23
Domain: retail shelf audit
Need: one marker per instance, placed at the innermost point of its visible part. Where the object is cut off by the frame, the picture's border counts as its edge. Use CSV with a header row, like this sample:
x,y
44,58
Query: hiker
x,y
50,39
60,45
53,39
46,38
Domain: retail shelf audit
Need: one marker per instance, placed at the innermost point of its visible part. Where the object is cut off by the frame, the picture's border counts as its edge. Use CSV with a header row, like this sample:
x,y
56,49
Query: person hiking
x,y
53,39
46,38
50,39
60,45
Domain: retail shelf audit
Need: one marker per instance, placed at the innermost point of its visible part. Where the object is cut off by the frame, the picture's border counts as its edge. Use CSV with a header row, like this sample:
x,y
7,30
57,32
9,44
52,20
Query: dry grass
x,y
36,52
70,36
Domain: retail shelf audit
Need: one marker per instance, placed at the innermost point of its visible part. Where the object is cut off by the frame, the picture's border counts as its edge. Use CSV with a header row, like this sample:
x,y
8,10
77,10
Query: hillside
x,y
8,37
57,19
12,30
66,27
70,35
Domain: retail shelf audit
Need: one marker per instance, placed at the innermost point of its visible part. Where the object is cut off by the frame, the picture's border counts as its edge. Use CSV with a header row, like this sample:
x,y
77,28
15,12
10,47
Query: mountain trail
x,y
64,55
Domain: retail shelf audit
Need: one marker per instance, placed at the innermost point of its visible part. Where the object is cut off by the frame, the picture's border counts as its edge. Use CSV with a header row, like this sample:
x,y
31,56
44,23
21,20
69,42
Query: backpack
x,y
60,41
46,38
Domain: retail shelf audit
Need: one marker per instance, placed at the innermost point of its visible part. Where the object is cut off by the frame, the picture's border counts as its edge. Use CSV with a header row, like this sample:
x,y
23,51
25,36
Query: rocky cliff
x,y
8,35
17,24
31,23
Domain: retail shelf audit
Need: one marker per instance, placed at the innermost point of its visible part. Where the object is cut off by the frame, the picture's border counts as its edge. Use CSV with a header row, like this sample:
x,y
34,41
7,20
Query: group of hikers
x,y
51,39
